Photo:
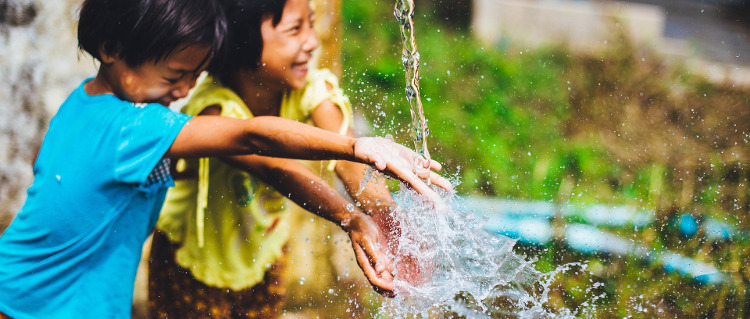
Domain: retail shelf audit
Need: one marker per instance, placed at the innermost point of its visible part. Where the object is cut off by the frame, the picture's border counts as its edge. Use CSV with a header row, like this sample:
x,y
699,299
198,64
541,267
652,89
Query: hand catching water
x,y
369,245
402,163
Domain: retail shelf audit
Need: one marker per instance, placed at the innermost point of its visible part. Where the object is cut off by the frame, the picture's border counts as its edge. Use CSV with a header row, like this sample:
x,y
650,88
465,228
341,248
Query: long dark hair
x,y
244,41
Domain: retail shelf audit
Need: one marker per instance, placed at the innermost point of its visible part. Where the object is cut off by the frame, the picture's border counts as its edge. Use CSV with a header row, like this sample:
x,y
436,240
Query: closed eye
x,y
172,81
295,29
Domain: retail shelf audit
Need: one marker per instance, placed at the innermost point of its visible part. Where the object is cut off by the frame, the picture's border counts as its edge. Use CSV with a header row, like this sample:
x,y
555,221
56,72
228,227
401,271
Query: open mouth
x,y
300,67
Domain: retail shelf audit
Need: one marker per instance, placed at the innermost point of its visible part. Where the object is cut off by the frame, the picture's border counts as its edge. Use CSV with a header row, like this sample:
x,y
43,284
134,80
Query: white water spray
x,y
446,263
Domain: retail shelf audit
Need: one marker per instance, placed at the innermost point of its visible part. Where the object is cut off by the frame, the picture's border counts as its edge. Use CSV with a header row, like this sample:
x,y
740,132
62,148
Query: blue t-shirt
x,y
99,184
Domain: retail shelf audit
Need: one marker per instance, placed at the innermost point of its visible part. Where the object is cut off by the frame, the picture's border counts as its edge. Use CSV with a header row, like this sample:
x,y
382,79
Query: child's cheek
x,y
156,91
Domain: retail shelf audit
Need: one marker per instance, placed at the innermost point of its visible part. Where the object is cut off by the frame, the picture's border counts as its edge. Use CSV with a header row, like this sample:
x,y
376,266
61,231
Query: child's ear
x,y
105,57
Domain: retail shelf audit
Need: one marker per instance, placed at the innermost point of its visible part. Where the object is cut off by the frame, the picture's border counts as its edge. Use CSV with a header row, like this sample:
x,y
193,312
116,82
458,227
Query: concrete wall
x,y
582,25
40,66
586,26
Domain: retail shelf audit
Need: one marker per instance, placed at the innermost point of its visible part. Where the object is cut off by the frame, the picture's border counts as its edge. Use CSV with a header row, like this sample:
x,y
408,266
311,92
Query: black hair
x,y
138,31
244,40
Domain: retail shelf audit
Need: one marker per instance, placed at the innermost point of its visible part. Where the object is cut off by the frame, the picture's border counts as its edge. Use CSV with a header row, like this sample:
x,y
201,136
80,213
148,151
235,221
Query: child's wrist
x,y
348,219
386,208
353,148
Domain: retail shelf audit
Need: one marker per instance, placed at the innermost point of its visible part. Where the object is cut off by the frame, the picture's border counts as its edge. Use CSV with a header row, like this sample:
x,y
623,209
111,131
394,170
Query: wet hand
x,y
410,268
402,163
369,246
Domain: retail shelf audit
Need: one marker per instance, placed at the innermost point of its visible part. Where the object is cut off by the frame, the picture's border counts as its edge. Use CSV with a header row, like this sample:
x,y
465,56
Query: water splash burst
x,y
446,263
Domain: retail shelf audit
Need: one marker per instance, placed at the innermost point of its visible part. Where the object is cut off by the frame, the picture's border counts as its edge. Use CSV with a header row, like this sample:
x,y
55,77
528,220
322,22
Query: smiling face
x,y
152,82
287,47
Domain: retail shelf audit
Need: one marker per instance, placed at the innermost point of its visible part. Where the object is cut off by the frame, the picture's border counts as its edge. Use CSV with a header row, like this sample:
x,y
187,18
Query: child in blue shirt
x,y
103,169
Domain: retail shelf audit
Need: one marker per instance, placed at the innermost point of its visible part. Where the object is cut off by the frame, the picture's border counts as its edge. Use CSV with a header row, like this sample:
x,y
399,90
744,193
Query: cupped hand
x,y
370,249
402,163
409,267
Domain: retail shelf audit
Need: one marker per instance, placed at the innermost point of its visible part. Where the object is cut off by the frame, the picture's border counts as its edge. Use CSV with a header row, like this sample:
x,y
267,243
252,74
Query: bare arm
x,y
208,136
295,181
205,136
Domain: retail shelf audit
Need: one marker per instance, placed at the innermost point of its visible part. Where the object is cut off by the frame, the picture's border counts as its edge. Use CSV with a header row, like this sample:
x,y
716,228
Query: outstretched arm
x,y
295,181
209,136
206,136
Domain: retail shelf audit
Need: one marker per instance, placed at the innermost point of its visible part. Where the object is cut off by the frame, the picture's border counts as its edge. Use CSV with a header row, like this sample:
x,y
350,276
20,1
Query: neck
x,y
99,84
262,98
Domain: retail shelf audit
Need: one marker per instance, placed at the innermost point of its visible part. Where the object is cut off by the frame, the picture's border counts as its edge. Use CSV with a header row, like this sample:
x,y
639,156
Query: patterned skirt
x,y
174,293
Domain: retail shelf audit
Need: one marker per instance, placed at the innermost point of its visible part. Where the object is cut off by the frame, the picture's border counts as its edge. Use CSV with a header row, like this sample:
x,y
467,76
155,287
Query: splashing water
x,y
404,13
446,263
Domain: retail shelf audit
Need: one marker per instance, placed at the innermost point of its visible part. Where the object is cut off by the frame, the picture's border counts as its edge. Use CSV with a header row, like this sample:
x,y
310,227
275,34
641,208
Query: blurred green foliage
x,y
618,126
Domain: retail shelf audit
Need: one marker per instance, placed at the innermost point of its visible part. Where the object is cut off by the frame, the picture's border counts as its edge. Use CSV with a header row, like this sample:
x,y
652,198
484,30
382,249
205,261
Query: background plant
x,y
620,126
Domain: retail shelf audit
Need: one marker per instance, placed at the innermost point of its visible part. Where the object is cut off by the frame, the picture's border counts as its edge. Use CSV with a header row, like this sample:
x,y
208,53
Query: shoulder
x,y
322,79
107,108
321,85
144,116
211,92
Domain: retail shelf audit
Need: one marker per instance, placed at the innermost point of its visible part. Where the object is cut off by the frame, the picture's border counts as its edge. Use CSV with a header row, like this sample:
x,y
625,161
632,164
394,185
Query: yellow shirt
x,y
244,223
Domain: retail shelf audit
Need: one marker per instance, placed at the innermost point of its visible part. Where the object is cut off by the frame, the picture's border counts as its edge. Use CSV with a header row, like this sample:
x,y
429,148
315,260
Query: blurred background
x,y
609,133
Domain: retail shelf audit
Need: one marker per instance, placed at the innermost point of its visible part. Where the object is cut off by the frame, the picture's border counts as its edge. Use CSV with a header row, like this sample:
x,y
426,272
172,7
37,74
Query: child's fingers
x,y
434,178
435,165
373,254
382,284
390,266
379,162
427,173
422,188
410,178
440,181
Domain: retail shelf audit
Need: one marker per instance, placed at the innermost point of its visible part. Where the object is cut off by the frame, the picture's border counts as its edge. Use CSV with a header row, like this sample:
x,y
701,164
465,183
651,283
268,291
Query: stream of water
x,y
404,13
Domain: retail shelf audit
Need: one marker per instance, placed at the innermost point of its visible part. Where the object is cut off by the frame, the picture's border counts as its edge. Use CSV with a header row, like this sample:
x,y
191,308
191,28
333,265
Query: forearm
x,y
205,136
376,198
319,198
292,139
293,180
211,136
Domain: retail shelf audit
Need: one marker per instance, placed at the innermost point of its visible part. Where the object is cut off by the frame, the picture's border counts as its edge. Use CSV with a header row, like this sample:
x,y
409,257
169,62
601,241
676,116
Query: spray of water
x,y
446,263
